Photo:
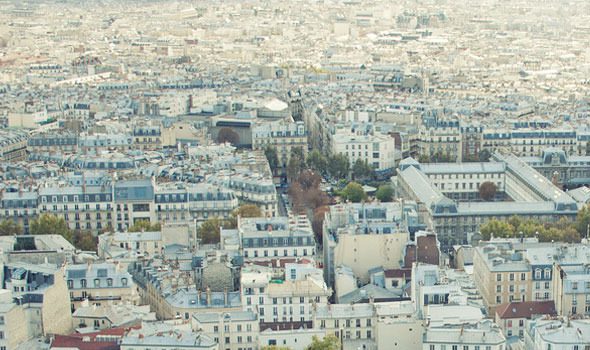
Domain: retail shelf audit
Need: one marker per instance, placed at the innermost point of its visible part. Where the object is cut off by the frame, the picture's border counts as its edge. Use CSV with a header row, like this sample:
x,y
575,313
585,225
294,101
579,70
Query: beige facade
x,y
104,284
571,289
56,316
499,279
13,322
282,135
236,330
364,252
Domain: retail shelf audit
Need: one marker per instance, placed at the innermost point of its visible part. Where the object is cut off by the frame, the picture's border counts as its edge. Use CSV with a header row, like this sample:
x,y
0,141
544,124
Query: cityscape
x,y
294,175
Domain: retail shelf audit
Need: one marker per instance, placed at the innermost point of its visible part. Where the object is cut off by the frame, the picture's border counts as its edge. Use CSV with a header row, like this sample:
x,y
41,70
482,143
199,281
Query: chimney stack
x,y
208,292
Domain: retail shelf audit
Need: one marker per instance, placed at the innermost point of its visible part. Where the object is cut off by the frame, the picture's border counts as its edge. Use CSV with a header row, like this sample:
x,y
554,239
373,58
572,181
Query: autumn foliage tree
x,y
305,192
487,191
228,135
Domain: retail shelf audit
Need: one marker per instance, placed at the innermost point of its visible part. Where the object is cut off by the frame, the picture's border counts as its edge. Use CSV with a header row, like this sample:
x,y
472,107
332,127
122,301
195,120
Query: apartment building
x,y
170,289
111,244
442,140
179,202
482,336
377,150
53,142
352,232
13,146
530,142
13,322
283,135
41,291
167,335
236,330
561,333
279,301
101,284
501,274
266,238
572,289
512,317
147,136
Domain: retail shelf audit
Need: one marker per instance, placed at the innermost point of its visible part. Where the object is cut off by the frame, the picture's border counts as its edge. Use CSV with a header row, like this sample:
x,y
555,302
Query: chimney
x,y
208,292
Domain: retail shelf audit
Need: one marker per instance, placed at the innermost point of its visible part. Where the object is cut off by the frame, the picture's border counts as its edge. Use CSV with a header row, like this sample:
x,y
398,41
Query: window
x,y
512,277
547,273
499,277
523,276
109,282
124,281
83,283
97,282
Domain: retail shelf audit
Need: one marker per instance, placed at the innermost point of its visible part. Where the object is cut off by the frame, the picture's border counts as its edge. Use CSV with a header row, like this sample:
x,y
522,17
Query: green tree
x,y
497,228
362,170
354,192
272,157
423,158
583,221
338,166
487,190
384,193
10,228
316,161
48,224
275,347
145,226
515,221
84,240
329,342
210,230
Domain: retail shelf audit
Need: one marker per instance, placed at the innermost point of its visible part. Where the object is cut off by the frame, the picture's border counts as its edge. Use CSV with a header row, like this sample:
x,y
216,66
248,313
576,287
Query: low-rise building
x,y
101,317
511,317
